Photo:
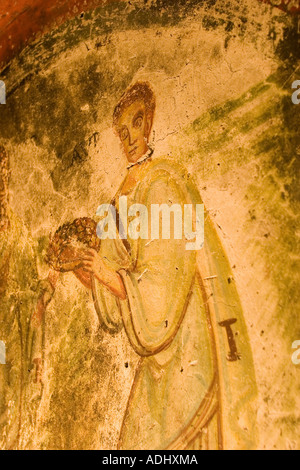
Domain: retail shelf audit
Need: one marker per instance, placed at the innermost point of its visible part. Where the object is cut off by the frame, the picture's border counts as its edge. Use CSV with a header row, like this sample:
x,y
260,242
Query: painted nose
x,y
132,137
131,141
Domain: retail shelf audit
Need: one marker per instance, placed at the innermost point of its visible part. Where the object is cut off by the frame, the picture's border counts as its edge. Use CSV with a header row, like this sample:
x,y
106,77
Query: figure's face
x,y
134,128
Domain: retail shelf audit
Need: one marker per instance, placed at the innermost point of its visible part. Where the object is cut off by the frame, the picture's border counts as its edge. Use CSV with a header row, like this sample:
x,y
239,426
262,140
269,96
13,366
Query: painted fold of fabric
x,y
171,318
20,394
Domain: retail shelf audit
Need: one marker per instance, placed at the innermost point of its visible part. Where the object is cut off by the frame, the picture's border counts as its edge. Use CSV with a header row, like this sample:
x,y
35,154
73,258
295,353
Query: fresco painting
x,y
143,340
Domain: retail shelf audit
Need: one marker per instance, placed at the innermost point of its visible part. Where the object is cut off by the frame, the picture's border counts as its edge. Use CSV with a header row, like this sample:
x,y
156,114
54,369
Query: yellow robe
x,y
182,393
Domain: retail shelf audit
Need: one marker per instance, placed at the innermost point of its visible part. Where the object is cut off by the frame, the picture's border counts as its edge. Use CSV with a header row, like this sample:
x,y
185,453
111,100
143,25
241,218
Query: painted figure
x,y
188,392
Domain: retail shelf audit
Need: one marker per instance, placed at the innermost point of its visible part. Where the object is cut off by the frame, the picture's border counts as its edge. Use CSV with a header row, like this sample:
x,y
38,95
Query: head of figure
x,y
133,119
4,193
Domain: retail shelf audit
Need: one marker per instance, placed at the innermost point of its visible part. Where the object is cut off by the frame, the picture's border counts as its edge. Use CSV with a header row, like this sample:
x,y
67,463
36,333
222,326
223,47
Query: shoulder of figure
x,y
166,169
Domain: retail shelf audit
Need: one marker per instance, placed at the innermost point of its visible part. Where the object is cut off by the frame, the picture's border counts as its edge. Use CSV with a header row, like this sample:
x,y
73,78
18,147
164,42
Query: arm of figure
x,y
36,334
84,277
107,289
94,265
47,291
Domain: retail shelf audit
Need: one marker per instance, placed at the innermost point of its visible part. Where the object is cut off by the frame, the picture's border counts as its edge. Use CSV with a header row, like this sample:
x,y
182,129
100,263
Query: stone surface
x,y
222,73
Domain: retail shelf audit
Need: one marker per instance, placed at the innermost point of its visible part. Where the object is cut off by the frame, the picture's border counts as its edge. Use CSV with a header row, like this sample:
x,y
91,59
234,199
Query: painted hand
x,y
93,264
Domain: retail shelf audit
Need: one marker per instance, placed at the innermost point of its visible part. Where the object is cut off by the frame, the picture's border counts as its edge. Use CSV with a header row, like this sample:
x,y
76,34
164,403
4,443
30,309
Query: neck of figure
x,y
148,153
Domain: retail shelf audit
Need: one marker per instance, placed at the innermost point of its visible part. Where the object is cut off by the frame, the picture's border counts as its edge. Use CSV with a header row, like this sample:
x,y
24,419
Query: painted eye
x,y
124,133
138,122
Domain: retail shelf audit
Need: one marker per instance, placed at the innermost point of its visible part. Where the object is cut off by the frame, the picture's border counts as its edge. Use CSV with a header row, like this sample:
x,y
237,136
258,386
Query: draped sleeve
x,y
107,305
158,285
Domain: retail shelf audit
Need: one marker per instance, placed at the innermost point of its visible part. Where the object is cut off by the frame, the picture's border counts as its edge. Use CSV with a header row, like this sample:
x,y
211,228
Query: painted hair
x,y
140,91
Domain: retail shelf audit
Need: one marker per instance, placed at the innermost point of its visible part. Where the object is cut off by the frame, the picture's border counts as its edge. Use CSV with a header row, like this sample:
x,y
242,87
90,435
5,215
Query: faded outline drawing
x,y
177,307
19,290
2,92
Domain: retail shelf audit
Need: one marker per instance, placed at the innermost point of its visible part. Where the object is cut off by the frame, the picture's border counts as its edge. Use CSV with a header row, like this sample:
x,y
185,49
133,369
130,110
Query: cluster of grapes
x,y
81,233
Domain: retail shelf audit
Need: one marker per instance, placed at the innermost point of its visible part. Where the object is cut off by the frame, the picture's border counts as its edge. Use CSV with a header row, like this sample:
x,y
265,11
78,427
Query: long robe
x,y
186,393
